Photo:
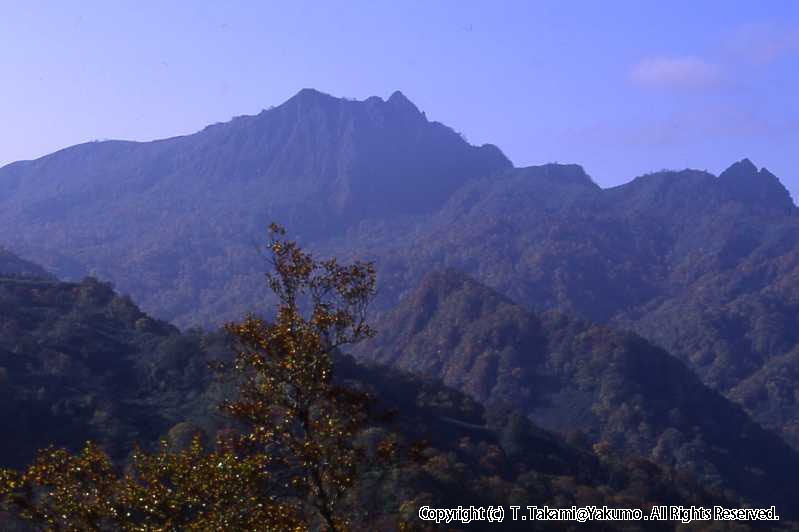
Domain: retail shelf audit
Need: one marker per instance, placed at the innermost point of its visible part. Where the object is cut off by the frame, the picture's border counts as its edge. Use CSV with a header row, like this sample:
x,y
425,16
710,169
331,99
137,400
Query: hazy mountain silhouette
x,y
174,221
14,266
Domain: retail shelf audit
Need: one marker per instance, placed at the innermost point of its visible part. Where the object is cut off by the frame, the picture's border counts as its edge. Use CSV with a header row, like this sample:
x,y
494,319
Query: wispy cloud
x,y
675,72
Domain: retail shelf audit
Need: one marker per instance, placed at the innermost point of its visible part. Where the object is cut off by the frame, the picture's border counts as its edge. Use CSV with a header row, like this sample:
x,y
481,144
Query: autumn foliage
x,y
294,458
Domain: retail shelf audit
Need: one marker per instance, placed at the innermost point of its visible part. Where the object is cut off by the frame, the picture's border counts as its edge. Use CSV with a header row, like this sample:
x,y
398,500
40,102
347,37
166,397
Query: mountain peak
x,y
567,173
744,167
400,101
552,174
310,95
397,96
745,183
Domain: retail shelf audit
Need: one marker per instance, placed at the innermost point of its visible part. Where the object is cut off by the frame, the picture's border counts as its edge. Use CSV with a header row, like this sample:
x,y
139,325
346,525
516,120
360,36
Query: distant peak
x,y
305,95
741,168
400,101
309,92
561,173
397,96
397,100
768,175
564,170
761,187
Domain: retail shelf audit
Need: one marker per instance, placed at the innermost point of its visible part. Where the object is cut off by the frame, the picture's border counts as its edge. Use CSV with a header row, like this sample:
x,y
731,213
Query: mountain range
x,y
660,317
176,222
678,257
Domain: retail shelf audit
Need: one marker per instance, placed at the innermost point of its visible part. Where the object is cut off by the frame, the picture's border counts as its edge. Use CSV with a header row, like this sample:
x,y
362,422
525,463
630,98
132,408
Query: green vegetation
x,y
568,375
310,449
66,349
685,259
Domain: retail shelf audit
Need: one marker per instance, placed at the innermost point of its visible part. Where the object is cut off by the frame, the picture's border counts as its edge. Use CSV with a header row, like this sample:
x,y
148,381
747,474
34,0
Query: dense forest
x,y
86,363
687,260
615,388
80,362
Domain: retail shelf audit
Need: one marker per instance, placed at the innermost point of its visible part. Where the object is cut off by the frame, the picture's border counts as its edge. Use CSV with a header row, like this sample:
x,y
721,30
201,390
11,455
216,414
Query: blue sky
x,y
622,88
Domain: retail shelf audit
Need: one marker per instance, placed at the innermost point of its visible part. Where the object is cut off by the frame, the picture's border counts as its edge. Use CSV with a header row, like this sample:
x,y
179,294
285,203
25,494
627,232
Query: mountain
x,y
548,237
569,375
494,455
704,266
176,222
13,266
80,362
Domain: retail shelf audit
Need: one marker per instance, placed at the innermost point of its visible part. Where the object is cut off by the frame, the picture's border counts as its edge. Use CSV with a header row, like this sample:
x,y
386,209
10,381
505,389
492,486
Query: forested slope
x,y
569,375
